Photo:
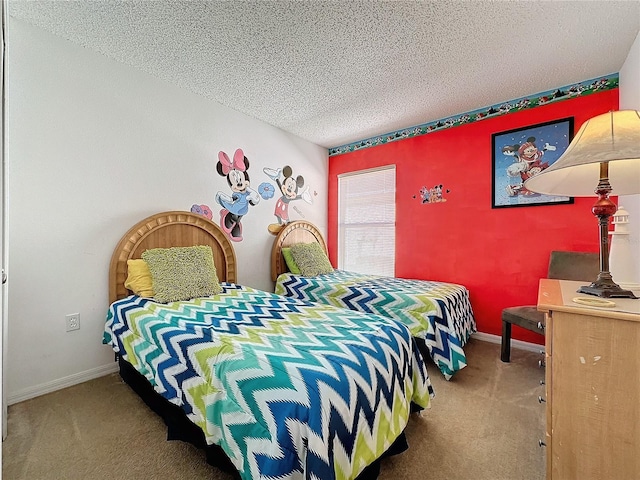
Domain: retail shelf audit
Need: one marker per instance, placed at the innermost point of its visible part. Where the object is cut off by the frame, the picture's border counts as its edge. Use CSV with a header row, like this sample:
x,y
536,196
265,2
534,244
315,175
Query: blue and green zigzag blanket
x,y
438,312
288,388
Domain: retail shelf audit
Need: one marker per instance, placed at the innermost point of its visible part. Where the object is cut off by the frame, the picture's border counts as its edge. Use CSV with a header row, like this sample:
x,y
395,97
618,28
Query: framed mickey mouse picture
x,y
521,153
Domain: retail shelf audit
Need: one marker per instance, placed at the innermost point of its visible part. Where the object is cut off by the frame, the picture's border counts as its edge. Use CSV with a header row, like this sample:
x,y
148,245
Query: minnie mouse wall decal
x,y
236,205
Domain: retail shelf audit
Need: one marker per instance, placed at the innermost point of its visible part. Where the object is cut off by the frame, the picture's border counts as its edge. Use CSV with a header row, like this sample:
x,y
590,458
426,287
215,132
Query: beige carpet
x,y
484,424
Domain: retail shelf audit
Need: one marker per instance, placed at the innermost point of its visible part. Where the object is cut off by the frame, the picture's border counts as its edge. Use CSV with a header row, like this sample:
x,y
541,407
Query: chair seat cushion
x,y
526,317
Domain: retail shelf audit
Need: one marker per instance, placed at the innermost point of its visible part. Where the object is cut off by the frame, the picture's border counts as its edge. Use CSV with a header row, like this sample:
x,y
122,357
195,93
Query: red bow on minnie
x,y
237,164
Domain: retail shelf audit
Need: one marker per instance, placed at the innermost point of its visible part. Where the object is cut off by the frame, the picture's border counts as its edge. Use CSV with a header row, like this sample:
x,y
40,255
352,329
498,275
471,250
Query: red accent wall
x,y
498,254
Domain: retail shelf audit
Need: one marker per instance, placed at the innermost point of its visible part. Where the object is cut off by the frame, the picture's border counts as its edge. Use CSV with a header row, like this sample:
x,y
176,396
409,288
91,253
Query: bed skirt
x,y
179,427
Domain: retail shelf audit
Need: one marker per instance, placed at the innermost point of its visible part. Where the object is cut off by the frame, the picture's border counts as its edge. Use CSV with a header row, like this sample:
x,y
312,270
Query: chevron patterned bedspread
x,y
438,312
289,389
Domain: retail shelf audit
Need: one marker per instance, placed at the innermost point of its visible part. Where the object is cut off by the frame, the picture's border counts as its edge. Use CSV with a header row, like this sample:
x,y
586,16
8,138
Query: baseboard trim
x,y
60,383
488,337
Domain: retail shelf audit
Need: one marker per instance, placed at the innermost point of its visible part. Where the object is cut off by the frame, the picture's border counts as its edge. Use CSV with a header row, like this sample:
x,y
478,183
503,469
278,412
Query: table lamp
x,y
605,149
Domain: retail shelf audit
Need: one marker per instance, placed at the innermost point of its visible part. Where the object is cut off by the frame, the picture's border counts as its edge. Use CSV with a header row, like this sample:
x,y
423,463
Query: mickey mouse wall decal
x,y
289,187
433,194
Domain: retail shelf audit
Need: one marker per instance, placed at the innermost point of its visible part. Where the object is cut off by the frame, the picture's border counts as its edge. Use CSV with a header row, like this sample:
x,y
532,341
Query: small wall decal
x,y
203,210
266,190
236,205
433,194
290,189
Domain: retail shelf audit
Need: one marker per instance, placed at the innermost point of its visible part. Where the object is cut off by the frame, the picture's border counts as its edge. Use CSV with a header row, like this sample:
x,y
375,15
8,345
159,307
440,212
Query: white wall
x,y
93,147
630,99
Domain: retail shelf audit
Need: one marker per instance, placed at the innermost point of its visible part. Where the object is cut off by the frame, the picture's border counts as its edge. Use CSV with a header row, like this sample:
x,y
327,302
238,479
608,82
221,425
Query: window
x,y
366,221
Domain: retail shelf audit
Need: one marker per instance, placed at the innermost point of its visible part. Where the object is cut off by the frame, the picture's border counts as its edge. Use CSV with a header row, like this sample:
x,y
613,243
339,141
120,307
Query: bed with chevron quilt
x,y
437,312
285,388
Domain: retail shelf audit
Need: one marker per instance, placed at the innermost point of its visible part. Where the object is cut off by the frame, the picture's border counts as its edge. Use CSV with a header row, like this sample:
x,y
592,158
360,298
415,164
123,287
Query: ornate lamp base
x,y
604,286
607,290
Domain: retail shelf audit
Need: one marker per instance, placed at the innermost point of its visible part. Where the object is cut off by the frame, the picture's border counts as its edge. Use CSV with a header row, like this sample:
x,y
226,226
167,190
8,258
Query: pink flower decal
x,y
203,210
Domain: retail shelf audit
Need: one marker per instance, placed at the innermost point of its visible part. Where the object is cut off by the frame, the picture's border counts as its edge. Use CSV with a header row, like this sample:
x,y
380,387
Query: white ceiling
x,y
334,72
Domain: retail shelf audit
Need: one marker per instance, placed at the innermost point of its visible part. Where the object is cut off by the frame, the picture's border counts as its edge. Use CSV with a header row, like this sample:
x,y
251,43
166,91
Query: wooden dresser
x,y
592,383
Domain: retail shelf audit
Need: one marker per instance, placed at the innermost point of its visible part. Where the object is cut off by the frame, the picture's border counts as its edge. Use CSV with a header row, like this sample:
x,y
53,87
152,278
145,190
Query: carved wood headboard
x,y
299,231
170,229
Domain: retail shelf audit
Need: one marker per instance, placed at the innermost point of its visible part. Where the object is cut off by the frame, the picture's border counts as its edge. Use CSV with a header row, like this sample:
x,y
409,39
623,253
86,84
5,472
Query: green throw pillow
x,y
182,273
311,259
291,263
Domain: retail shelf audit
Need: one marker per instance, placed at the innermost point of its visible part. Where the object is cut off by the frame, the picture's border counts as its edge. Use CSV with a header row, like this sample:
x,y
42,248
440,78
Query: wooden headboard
x,y
299,231
170,229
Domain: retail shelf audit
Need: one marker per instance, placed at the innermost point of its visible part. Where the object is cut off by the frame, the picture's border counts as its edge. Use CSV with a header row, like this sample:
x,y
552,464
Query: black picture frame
x,y
523,152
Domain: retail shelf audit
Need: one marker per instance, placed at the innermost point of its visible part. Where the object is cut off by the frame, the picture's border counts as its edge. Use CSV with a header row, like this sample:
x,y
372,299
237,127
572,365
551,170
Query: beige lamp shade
x,y
612,137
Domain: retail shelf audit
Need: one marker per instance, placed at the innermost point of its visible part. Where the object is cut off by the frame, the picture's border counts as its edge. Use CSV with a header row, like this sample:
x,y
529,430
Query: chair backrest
x,y
573,265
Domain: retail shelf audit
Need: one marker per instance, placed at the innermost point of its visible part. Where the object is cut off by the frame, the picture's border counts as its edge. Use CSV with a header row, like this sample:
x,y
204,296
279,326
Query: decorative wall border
x,y
587,87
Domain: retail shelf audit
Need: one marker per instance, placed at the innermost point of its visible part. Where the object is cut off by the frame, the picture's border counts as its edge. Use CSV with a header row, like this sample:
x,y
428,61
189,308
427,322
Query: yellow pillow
x,y
139,278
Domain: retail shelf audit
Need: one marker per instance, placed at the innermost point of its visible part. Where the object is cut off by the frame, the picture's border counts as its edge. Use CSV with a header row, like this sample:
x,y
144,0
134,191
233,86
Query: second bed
x,y
439,313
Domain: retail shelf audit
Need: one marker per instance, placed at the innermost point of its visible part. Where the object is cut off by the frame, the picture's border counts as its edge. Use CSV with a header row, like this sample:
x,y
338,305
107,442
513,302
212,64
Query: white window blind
x,y
366,221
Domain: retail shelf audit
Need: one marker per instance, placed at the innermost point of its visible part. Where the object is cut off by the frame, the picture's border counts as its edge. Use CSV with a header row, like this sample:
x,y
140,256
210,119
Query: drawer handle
x,y
541,443
540,326
541,400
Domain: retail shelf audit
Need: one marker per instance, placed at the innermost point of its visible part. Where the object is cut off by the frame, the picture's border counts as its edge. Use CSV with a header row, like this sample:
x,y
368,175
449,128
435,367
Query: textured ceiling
x,y
341,71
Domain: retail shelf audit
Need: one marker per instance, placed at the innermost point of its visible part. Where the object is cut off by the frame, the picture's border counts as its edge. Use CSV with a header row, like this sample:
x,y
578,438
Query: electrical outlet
x,y
73,321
